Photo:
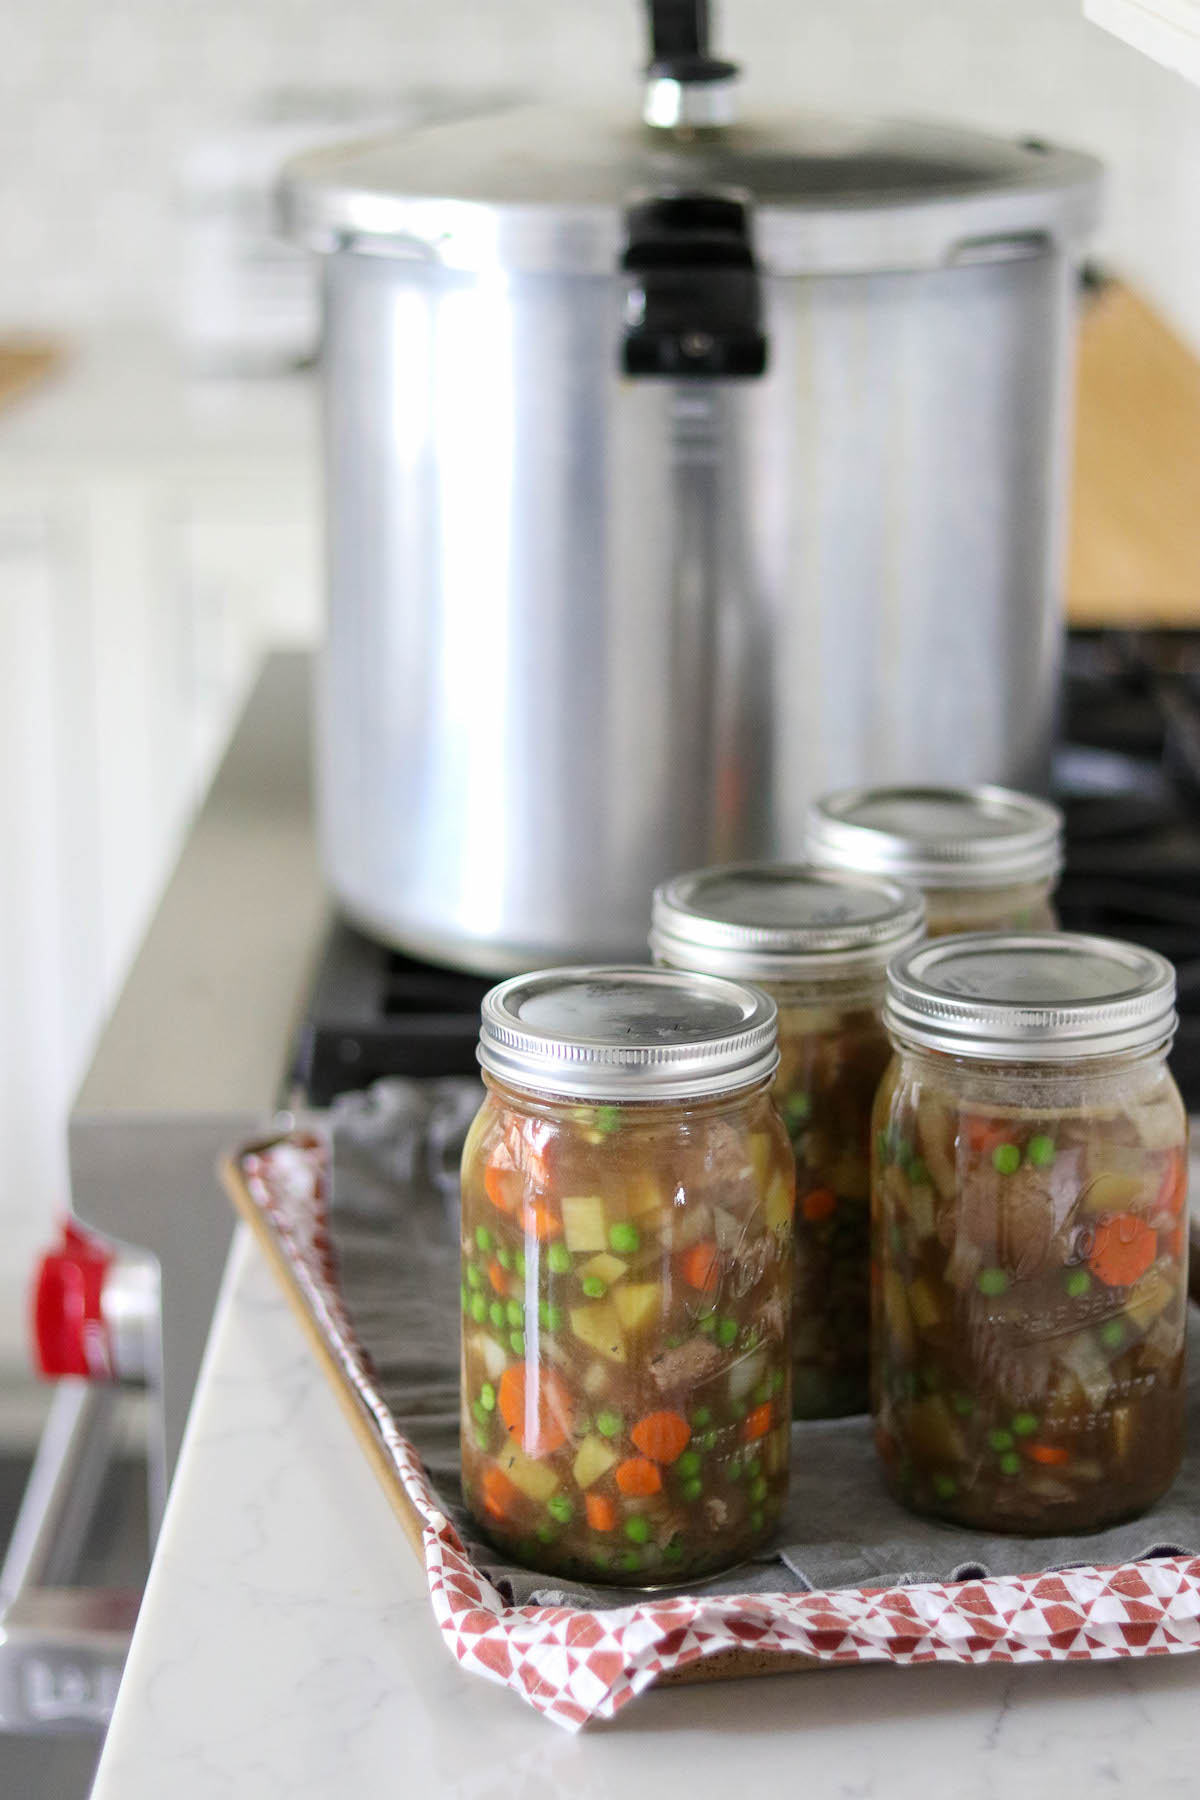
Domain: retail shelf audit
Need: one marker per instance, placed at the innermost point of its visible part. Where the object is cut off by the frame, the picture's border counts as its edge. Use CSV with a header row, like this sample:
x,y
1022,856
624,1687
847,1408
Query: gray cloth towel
x,y
394,1229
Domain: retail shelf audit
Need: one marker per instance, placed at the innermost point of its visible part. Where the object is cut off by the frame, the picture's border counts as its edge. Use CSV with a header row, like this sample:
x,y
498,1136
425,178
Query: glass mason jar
x,y
1030,1232
627,1196
819,944
986,858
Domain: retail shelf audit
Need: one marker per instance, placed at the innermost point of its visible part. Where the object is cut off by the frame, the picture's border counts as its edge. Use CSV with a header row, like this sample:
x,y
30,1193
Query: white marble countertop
x,y
286,1649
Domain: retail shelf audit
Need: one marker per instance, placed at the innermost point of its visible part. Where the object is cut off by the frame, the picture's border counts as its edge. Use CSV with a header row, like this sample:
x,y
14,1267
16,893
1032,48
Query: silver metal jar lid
x,y
1044,996
627,1034
768,921
939,837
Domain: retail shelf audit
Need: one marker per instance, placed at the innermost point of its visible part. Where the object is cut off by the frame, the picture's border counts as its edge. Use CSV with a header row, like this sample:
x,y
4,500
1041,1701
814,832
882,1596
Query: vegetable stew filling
x,y
625,1350
830,1066
1029,1298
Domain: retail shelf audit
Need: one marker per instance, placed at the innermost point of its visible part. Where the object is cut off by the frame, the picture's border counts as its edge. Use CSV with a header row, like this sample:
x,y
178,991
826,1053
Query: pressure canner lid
x,y
548,188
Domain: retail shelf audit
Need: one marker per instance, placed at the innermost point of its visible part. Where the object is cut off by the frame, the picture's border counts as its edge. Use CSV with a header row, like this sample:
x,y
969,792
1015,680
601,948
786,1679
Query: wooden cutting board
x,y
1135,537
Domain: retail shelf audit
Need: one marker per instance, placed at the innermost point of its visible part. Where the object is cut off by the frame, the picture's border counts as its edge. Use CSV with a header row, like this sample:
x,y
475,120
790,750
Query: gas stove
x,y
1127,774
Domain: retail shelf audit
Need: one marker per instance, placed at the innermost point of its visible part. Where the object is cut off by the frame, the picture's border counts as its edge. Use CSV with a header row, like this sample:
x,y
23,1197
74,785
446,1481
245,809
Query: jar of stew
x,y
986,858
1030,1231
627,1196
819,944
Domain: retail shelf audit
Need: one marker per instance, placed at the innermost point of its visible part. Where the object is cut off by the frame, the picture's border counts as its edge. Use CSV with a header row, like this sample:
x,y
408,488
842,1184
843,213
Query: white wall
x,y
97,96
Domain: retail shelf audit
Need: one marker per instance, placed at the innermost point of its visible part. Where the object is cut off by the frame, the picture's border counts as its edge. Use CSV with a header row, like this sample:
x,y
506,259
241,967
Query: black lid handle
x,y
679,31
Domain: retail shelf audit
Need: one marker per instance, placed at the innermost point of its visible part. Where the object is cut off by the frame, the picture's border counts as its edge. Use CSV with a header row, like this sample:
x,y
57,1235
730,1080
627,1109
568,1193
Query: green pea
x,y
672,1341
630,1561
707,1322
1010,1463
624,1238
487,1397
762,1393
756,1519
673,1552
601,1559
496,1314
758,1489
1077,1283
593,1287
688,1463
1025,1424
483,1436
991,1281
999,1439
1006,1159
963,1405
945,1486
483,1239
549,1317
545,1534
734,1471
707,1440
607,1118
516,1341
753,1468
558,1259
478,1308
750,1335
474,1276
918,1173
504,1256
521,1264
777,1381
514,1312
1040,1151
692,1490
480,1411
699,1417
609,1424
738,1409
560,1508
1112,1334
796,1110
637,1528
727,1331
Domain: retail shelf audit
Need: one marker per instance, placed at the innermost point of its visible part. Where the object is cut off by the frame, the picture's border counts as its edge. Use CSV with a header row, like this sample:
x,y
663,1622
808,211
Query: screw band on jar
x,y
938,837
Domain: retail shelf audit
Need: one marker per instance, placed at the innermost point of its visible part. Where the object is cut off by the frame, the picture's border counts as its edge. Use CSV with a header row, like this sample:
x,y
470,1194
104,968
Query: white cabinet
x,y
138,589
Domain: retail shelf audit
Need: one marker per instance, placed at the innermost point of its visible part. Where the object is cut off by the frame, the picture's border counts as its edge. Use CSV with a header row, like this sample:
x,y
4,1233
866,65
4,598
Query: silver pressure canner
x,y
679,467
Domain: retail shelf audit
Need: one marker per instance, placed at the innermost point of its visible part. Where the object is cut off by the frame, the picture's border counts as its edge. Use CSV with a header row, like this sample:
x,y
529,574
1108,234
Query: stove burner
x,y
1127,777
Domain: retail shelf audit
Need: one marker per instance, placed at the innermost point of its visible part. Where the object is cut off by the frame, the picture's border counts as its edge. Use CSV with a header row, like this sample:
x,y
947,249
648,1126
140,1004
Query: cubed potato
x,y
599,1327
760,1156
923,1304
638,1305
780,1201
1153,1292
585,1226
536,1479
495,1358
593,1459
644,1198
605,1267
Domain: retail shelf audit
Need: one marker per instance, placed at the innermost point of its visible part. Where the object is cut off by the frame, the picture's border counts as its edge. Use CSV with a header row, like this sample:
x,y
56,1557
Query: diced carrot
x,y
601,1513
497,1277
987,1134
820,1204
501,1497
1172,1193
638,1477
758,1422
540,1222
1122,1250
503,1188
662,1436
700,1267
539,1423
1051,1456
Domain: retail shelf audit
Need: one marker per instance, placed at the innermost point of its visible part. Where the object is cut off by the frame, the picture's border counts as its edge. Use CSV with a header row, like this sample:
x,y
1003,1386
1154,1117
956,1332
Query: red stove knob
x,y
70,1336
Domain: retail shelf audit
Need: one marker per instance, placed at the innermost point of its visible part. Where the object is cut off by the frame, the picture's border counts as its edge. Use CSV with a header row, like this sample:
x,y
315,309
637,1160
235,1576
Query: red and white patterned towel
x,y
575,1665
